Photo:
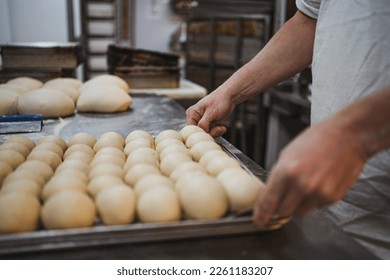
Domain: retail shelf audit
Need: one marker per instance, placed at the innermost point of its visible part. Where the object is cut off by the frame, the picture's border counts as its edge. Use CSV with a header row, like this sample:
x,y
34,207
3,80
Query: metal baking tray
x,y
231,224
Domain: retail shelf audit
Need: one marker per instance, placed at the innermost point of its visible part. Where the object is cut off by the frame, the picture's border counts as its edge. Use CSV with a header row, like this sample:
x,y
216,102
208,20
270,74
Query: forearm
x,y
288,52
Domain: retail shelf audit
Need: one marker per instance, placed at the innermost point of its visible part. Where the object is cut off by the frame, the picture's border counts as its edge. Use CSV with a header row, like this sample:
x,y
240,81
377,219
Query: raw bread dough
x,y
168,142
198,137
114,135
72,172
22,185
146,151
51,103
78,155
159,204
186,131
106,169
54,139
52,147
171,161
103,98
106,158
208,156
220,163
74,163
70,91
151,181
60,183
25,174
116,205
9,102
135,173
5,170
82,138
39,167
106,79
174,149
111,151
30,144
168,134
201,148
241,188
107,142
12,158
19,212
139,158
184,168
202,196
136,134
79,148
48,157
19,89
137,144
102,182
15,146
27,82
68,209
68,82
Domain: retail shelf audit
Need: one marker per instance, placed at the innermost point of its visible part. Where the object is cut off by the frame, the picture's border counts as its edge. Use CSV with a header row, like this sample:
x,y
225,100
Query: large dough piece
x,y
103,98
9,102
50,103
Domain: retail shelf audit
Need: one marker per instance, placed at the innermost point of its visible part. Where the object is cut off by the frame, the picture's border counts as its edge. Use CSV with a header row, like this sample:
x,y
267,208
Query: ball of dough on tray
x,y
5,170
51,158
136,134
78,155
54,139
111,151
9,102
135,173
151,181
169,163
198,137
220,163
72,92
106,79
68,209
19,212
106,158
19,89
159,204
168,134
114,135
140,158
52,147
184,168
12,158
146,151
22,185
68,82
30,144
168,142
15,146
82,138
186,131
72,172
174,149
240,187
39,167
61,183
202,196
49,102
27,82
201,148
137,144
209,155
25,174
106,169
107,142
116,205
79,148
103,98
100,183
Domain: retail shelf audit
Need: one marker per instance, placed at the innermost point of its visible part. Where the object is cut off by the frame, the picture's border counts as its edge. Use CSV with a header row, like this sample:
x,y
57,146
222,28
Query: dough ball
x,y
39,167
208,156
72,172
136,134
22,185
59,183
168,134
116,205
202,196
30,144
159,204
27,82
185,168
79,148
198,137
9,102
48,157
27,174
114,135
137,144
68,209
52,147
146,151
106,169
174,149
240,187
12,158
72,92
54,139
49,102
103,98
140,158
220,163
15,146
5,170
186,131
111,151
135,173
19,89
66,82
78,155
82,138
106,159
201,148
169,163
107,142
19,212
163,144
102,182
106,79
151,181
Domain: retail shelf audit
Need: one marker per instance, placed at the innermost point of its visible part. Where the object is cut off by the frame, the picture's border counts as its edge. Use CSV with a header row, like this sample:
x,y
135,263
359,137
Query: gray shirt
x,y
351,59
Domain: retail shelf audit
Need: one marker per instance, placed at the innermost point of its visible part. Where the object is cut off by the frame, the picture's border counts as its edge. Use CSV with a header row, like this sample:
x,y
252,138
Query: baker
x,y
343,159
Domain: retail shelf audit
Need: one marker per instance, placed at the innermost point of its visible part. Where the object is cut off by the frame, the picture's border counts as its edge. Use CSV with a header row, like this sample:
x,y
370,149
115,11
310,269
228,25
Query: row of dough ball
x,y
59,97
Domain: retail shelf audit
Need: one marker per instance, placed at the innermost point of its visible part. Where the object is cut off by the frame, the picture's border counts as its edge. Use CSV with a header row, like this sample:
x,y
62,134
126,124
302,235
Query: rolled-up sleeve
x,y
309,7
